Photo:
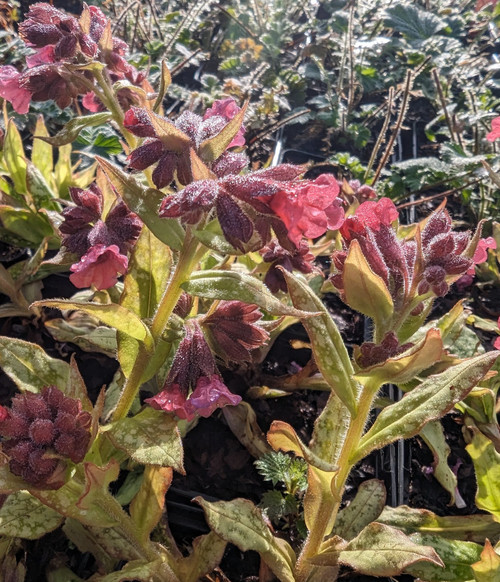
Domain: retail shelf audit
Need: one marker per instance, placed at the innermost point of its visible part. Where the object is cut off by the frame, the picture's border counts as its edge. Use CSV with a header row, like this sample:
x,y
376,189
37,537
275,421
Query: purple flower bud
x,y
41,432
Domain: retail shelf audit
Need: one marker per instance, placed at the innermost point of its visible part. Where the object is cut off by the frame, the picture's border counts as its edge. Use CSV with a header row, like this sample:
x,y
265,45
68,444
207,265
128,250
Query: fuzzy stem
x,y
111,102
328,513
190,255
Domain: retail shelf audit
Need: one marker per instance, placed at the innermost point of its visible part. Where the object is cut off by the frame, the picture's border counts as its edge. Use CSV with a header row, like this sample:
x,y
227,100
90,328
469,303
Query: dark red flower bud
x,y
371,354
41,431
233,330
138,122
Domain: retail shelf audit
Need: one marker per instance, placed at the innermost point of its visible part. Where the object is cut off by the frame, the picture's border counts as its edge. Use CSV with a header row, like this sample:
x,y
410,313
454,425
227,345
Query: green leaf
x,y
457,558
151,438
433,435
42,154
143,571
30,226
487,467
488,567
106,545
70,131
146,509
42,195
364,290
165,81
413,22
205,556
381,550
29,366
147,275
363,509
473,528
23,516
329,351
14,157
428,401
63,574
145,202
67,500
241,523
230,285
62,170
84,334
111,314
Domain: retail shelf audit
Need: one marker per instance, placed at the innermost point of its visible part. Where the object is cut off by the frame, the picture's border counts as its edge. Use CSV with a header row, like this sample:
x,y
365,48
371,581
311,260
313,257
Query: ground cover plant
x,y
187,263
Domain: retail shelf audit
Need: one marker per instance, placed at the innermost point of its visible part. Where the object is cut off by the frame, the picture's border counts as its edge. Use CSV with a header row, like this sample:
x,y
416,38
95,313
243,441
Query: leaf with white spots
x,y
429,401
30,367
147,275
457,558
330,353
233,286
23,516
151,438
381,550
241,523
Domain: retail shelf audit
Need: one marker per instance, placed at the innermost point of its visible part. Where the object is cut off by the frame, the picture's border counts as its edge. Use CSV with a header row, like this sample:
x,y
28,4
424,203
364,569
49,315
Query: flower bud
x,y
41,432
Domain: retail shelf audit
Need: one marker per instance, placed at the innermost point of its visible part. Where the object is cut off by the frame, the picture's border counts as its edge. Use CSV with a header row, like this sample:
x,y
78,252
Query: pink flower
x,y
481,254
369,214
172,399
100,267
91,102
308,209
227,109
42,56
211,393
11,90
495,130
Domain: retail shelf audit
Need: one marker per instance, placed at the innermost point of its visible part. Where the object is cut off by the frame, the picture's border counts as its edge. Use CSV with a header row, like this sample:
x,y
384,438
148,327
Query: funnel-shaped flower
x,y
309,208
100,267
193,370
41,432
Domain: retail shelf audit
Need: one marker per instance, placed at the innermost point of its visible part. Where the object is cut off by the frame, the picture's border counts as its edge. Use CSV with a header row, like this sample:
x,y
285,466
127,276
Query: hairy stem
x,y
190,255
327,515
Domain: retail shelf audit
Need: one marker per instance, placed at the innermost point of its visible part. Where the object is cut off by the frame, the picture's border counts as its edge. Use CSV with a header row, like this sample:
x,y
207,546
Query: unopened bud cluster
x,y
41,432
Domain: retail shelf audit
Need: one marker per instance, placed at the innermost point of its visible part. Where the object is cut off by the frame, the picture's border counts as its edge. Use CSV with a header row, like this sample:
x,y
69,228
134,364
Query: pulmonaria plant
x,y
215,260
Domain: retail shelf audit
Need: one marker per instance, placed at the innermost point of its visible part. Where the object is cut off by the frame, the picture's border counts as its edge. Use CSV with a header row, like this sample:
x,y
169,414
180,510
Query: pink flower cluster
x,y
102,245
405,267
61,40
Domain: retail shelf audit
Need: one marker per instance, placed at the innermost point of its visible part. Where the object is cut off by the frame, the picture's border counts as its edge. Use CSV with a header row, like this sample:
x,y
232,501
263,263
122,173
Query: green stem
x,y
190,255
111,102
329,510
